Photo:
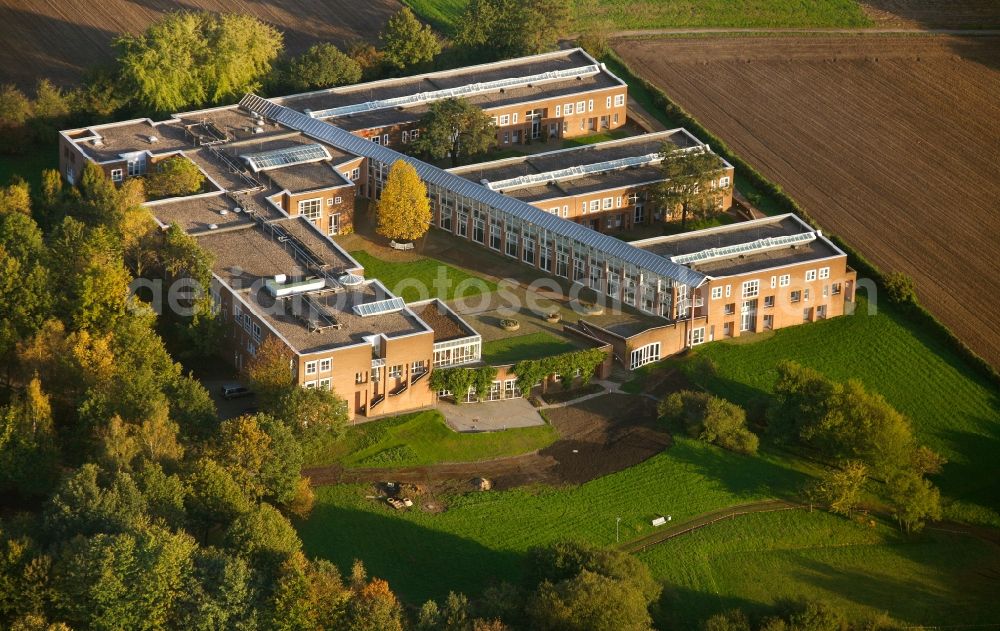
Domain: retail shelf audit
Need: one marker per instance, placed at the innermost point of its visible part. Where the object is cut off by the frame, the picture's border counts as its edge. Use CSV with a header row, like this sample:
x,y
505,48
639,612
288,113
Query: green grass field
x,y
755,561
30,165
613,134
954,409
510,350
423,278
483,536
622,14
419,439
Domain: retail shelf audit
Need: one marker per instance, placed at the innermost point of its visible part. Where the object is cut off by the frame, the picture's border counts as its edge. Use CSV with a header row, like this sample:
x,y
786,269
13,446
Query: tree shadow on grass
x,y
754,477
952,589
684,608
975,478
419,562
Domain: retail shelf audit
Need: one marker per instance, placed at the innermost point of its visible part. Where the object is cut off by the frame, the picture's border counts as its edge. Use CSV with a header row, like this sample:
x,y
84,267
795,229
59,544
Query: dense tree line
x,y
862,436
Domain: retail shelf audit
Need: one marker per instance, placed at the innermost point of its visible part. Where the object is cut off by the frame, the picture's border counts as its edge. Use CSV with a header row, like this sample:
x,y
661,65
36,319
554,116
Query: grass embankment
x,y
420,439
756,561
482,536
624,15
423,278
510,350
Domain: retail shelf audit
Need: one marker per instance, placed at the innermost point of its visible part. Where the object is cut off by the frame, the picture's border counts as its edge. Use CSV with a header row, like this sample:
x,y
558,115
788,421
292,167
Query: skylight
x,y
299,154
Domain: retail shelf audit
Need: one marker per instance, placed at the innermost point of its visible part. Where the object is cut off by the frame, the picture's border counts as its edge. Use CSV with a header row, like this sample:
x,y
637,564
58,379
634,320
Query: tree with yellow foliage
x,y
404,212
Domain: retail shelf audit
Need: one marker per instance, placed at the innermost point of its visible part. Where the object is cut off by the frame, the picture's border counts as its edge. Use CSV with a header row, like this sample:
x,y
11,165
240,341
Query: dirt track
x,y
608,433
59,40
891,142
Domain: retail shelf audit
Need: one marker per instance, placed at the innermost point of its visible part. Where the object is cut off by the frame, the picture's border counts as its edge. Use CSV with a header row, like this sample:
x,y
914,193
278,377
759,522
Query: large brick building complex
x,y
283,175
556,95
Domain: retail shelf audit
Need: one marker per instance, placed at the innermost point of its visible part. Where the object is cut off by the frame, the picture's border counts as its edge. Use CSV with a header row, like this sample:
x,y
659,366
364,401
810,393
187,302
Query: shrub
x,y
174,177
900,289
711,419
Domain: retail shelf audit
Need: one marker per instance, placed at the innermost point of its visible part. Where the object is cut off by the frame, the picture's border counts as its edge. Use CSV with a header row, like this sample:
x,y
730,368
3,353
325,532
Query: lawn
x,y
422,438
483,536
929,579
954,408
423,278
30,165
621,14
510,350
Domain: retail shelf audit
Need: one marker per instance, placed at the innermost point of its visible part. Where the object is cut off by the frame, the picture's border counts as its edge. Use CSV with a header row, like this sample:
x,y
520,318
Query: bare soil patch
x,y
893,143
933,13
597,437
59,40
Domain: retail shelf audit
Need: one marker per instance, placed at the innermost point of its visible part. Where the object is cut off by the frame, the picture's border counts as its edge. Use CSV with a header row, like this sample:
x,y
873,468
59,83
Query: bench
x,y
400,246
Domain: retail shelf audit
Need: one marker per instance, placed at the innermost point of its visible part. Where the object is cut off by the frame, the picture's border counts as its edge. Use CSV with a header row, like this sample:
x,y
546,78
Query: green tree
x,y
215,498
323,65
374,606
456,128
690,177
97,582
900,289
270,373
314,410
264,537
190,58
914,500
29,458
512,28
174,177
407,42
15,197
90,501
15,110
589,602
404,212
217,593
840,489
50,111
732,620
711,419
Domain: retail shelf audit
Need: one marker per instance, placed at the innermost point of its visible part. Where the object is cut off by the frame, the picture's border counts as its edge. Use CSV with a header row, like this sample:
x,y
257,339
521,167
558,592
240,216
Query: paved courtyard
x,y
490,416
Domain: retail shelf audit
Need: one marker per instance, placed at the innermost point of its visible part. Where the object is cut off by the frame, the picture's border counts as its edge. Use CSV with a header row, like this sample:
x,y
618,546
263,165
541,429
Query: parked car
x,y
235,391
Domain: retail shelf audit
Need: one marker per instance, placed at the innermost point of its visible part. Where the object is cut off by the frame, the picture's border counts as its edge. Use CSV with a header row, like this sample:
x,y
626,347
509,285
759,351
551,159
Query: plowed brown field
x,y
891,142
58,40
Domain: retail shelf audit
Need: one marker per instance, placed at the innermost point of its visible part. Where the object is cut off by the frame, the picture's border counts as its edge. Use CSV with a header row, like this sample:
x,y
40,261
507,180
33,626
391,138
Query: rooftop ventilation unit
x,y
237,209
223,212
280,286
213,226
153,140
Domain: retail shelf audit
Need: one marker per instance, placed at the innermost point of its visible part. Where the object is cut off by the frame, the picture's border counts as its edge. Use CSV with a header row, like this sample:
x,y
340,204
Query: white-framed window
x,y
311,208
565,211
824,272
768,301
595,205
505,120
558,110
414,134
569,109
116,175
608,202
785,280
324,384
324,365
514,118
724,182
376,140
309,385
406,136
644,355
806,291
774,282
716,293
729,290
256,331
360,377
355,174
396,371
311,368
334,227
581,107
751,288
590,105
418,367
237,312
619,100
338,200
247,323
607,104
697,336
810,275
385,139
